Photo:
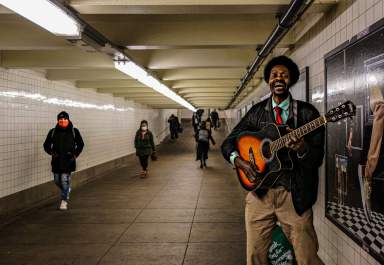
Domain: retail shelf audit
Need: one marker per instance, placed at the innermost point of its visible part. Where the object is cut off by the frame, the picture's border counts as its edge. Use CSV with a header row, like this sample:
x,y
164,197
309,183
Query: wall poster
x,y
355,191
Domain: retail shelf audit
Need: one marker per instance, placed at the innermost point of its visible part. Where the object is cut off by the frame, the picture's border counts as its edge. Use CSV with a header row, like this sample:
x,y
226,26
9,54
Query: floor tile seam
x,y
118,240
50,244
147,243
194,214
221,222
169,208
217,241
152,242
164,222
85,223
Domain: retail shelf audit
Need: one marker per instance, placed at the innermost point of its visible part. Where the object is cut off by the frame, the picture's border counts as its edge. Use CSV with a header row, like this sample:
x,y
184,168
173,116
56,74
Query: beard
x,y
279,89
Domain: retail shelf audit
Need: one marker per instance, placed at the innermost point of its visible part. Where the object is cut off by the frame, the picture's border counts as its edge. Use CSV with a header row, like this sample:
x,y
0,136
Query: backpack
x,y
203,136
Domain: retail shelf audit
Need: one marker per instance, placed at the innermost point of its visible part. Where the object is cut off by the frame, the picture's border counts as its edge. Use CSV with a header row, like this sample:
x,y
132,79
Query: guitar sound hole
x,y
266,150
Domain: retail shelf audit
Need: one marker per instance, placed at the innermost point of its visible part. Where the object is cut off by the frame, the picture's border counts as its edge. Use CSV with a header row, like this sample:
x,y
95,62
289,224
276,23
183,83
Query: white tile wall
x,y
335,246
29,104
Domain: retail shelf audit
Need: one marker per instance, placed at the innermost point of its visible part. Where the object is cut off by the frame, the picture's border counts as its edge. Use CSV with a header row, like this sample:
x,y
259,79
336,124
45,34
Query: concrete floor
x,y
180,214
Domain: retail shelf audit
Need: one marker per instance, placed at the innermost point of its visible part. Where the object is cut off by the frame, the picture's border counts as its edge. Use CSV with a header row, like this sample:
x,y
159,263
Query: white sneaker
x,y
63,205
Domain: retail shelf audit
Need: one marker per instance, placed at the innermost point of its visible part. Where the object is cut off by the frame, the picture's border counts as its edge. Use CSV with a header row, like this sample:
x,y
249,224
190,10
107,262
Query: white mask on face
x,y
144,128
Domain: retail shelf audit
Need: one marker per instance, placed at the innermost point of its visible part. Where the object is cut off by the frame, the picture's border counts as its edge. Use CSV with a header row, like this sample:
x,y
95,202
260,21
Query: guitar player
x,y
289,200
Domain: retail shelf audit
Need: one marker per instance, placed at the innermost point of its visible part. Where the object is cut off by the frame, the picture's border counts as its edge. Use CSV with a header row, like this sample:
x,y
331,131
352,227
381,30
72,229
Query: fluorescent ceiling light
x,y
45,14
138,73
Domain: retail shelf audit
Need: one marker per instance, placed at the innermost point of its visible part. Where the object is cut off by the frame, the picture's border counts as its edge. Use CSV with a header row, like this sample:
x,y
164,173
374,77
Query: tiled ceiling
x,y
199,48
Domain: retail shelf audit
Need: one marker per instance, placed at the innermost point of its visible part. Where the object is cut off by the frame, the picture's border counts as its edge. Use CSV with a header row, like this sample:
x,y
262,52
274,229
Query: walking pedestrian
x,y
174,126
203,136
215,119
145,146
64,144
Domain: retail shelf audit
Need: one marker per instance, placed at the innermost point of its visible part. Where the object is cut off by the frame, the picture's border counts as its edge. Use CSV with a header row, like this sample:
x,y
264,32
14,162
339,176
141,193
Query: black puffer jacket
x,y
174,123
64,147
305,176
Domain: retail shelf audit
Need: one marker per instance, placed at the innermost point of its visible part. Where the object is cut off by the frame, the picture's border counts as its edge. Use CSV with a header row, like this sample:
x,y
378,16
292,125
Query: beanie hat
x,y
63,115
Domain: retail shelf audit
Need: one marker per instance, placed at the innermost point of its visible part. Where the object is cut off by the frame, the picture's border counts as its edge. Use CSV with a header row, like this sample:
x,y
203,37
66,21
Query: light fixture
x,y
138,73
46,14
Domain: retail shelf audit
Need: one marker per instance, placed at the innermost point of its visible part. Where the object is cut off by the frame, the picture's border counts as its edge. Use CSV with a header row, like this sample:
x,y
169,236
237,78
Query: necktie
x,y
279,120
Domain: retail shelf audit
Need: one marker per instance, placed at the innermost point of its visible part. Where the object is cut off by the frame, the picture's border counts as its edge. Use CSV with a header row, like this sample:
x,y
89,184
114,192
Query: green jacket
x,y
145,146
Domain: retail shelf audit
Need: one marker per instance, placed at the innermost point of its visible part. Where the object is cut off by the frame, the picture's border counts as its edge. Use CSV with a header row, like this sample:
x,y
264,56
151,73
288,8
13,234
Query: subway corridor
x,y
180,214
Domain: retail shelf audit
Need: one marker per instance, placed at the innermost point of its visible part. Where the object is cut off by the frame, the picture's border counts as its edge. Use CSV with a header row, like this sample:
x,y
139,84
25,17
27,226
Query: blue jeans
x,y
63,181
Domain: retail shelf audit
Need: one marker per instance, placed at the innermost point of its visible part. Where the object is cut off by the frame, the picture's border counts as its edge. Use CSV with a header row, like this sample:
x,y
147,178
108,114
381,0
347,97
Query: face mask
x,y
144,128
63,123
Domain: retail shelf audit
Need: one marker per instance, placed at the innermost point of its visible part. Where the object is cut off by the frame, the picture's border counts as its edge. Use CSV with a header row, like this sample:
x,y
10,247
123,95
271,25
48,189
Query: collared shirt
x,y
284,105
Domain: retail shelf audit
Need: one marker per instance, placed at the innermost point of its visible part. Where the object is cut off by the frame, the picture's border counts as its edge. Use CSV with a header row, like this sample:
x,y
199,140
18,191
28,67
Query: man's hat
x,y
63,115
293,69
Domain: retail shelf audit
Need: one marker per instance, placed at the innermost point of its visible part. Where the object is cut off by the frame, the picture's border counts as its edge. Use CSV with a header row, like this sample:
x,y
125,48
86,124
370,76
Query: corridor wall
x,y
29,104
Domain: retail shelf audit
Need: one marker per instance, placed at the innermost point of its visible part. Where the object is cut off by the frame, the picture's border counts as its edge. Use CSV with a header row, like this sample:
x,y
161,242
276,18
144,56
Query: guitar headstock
x,y
347,109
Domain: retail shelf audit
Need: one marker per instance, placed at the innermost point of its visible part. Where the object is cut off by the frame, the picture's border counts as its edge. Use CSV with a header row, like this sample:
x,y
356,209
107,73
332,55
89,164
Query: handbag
x,y
180,130
153,156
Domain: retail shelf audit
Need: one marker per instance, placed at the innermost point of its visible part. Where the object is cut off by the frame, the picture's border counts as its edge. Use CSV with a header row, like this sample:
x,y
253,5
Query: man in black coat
x,y
291,198
64,144
215,119
174,126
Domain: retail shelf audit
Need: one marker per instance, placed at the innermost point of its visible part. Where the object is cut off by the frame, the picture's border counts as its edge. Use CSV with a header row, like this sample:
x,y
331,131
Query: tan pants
x,y
261,216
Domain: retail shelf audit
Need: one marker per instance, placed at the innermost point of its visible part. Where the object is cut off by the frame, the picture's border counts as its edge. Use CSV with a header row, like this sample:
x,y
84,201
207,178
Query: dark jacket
x,y
304,178
214,115
196,119
64,147
144,146
174,123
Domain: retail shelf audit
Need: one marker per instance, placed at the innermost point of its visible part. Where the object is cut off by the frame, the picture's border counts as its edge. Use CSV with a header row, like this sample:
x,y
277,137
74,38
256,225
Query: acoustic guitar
x,y
263,149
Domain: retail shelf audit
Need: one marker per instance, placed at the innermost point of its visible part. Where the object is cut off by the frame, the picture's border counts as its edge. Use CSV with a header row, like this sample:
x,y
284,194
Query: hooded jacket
x,y
64,147
304,177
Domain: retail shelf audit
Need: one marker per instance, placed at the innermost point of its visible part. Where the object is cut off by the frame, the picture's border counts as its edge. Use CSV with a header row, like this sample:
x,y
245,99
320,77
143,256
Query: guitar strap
x,y
294,103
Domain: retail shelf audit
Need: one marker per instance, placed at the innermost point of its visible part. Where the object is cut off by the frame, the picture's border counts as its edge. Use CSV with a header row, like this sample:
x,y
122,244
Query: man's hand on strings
x,y
295,143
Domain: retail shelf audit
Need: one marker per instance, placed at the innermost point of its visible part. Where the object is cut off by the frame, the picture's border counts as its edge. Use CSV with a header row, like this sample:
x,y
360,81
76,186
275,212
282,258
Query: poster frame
x,y
379,25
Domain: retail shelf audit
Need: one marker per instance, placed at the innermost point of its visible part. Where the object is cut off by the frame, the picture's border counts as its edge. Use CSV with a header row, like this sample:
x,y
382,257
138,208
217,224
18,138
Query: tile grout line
x,y
193,218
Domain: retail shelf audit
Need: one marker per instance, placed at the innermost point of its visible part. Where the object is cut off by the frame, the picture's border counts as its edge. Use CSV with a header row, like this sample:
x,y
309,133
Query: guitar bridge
x,y
252,160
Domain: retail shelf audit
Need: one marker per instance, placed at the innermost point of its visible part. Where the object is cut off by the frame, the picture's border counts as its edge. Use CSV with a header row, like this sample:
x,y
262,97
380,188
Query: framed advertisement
x,y
355,71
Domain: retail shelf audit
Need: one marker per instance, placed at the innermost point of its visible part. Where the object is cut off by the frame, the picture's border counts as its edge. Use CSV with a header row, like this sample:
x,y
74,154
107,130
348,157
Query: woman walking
x,y
202,138
145,146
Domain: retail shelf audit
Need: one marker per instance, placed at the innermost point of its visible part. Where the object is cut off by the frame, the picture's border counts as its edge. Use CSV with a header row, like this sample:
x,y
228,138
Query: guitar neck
x,y
298,133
